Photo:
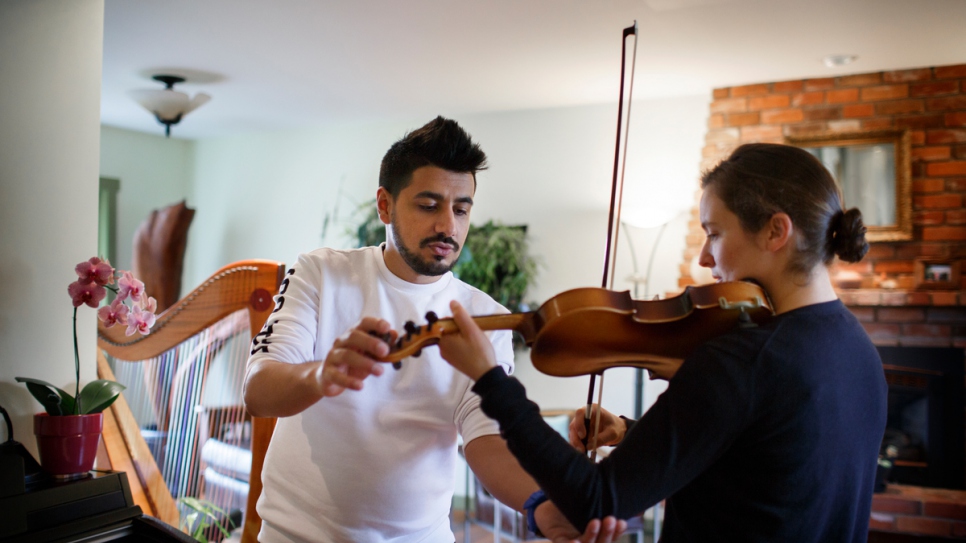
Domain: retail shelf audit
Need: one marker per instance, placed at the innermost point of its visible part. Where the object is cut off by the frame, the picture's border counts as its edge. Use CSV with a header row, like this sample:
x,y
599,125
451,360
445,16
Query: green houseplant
x,y
68,432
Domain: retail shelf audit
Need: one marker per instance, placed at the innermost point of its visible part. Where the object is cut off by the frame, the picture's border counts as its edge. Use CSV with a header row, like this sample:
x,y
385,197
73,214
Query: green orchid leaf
x,y
99,395
55,400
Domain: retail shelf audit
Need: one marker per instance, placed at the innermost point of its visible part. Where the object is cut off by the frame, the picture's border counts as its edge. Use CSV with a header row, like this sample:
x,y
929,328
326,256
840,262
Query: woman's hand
x,y
612,428
469,351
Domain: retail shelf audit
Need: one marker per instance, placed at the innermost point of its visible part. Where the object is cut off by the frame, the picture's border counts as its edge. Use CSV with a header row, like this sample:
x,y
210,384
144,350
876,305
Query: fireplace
x,y
926,415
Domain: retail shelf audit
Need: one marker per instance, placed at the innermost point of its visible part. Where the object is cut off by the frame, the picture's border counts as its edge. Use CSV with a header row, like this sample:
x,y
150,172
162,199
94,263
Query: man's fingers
x,y
362,341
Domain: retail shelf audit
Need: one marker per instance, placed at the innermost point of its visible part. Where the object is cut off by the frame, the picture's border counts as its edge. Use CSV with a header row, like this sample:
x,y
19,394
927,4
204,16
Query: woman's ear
x,y
384,202
777,232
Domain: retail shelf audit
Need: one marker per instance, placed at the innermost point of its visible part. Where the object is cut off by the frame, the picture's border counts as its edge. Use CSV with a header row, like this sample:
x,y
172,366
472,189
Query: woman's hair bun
x,y
846,235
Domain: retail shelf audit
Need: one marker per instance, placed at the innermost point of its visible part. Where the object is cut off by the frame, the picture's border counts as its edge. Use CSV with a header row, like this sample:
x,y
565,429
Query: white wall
x,y
50,61
154,172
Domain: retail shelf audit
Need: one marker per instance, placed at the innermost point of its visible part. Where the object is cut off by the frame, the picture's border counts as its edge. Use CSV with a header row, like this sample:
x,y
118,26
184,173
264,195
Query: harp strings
x,y
188,403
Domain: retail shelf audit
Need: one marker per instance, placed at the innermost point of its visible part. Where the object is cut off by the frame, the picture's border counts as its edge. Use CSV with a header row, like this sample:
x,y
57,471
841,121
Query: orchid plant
x,y
94,278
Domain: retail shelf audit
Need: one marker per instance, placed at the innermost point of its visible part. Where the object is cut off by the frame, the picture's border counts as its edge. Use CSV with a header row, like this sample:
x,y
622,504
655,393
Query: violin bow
x,y
613,221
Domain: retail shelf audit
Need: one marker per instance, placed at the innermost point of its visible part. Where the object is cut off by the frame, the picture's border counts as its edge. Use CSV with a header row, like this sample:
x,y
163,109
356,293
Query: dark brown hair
x,y
441,142
761,179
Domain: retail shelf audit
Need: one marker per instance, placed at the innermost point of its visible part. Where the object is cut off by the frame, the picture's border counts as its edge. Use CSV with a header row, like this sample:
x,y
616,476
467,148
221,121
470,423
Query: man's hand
x,y
469,351
350,361
612,428
558,529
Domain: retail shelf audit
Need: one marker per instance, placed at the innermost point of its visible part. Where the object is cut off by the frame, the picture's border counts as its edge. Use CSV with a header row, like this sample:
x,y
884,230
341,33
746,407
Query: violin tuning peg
x,y
410,328
418,352
397,366
431,319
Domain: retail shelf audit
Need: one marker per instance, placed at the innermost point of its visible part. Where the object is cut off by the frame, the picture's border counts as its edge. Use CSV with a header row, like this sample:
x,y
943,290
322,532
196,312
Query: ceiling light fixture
x,y
834,61
168,105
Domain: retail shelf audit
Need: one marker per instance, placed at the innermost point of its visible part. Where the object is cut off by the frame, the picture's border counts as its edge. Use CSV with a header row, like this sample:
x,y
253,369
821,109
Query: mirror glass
x,y
872,169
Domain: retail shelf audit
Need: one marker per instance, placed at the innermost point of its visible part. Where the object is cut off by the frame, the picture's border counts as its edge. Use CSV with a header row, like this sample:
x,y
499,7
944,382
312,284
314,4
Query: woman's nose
x,y
705,259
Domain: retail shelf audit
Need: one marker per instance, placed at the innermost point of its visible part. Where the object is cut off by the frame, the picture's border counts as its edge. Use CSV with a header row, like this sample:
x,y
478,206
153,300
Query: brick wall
x,y
931,103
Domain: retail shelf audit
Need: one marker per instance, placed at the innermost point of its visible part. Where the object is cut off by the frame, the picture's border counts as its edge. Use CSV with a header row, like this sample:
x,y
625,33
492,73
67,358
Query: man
x,y
377,463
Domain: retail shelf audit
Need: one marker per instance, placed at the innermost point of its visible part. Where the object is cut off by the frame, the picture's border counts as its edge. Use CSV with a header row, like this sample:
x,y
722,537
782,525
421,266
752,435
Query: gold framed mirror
x,y
873,170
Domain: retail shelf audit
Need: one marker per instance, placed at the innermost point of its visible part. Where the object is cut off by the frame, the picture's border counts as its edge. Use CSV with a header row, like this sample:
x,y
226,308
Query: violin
x,y
585,331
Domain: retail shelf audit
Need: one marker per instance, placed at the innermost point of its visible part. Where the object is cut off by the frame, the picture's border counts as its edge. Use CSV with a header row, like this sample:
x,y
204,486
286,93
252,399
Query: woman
x,y
764,434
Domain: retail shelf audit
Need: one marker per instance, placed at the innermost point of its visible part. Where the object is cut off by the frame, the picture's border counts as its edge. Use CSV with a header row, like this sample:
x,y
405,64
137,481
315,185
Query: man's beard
x,y
419,264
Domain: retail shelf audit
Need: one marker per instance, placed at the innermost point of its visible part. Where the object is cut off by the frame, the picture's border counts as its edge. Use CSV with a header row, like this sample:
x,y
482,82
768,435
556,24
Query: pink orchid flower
x,y
139,321
90,293
116,313
149,304
96,271
128,286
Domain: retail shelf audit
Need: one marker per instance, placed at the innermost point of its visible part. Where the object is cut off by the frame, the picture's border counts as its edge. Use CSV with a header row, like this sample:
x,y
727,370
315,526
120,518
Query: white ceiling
x,y
300,63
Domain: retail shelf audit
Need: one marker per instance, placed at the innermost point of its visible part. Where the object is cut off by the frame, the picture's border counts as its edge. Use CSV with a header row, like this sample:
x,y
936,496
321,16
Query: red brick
x,y
899,76
946,103
866,297
729,105
769,102
761,134
923,341
878,124
722,135
881,333
859,80
805,129
938,201
885,92
717,94
914,298
903,505
954,511
945,72
819,84
928,218
743,119
940,169
934,89
881,250
915,250
808,98
928,185
896,107
956,119
750,90
957,216
943,298
882,522
863,314
956,184
959,151
716,120
839,96
858,110
917,137
946,314
781,116
941,233
848,125
823,113
894,266
941,152
900,315
789,86
924,526
945,136
932,120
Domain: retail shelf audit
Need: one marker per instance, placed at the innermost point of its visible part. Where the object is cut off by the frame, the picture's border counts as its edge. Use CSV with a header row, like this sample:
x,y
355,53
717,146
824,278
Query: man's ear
x,y
384,202
777,232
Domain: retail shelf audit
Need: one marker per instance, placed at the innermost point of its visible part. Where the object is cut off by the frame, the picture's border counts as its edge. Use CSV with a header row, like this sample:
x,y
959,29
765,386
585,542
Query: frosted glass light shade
x,y
167,104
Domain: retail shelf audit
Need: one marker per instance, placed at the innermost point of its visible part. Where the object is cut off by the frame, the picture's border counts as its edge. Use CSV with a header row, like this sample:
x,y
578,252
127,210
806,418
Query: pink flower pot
x,y
67,443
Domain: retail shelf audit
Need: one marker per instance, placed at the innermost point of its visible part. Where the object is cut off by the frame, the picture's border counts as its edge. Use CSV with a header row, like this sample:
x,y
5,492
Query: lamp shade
x,y
168,105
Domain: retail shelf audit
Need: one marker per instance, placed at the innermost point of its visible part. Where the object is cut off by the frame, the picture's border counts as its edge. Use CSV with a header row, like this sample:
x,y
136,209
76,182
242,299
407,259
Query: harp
x,y
180,429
